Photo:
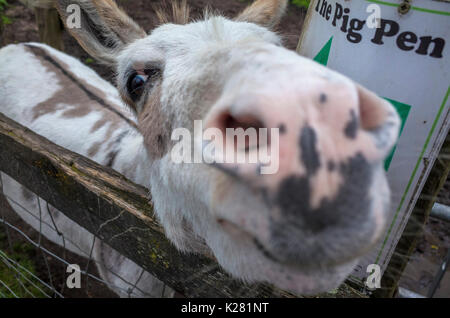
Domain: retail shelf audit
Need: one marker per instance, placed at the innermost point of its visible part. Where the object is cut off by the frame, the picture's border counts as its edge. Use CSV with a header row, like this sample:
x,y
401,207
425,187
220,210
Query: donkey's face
x,y
302,227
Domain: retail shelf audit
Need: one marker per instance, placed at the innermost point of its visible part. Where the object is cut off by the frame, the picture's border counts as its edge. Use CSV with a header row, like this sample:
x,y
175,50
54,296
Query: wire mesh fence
x,y
32,266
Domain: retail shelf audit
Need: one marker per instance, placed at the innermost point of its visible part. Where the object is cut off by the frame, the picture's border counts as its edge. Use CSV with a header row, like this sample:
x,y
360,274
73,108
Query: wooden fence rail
x,y
92,195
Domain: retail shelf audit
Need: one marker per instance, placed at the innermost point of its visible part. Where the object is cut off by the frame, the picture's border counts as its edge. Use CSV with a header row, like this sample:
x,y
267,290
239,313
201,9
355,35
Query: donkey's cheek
x,y
154,126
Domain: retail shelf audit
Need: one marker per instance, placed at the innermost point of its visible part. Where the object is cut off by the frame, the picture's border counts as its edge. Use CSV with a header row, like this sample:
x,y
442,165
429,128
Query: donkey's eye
x,y
136,85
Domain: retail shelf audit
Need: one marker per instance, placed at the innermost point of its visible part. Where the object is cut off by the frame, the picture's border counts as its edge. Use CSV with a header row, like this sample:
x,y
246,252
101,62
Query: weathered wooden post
x,y
47,19
398,49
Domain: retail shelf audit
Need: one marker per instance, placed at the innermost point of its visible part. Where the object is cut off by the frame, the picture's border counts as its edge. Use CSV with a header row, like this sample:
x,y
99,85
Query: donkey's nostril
x,y
242,130
244,122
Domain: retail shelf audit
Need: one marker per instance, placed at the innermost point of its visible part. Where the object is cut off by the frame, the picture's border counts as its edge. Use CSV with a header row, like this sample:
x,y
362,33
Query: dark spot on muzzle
x,y
331,166
309,155
302,233
351,129
282,128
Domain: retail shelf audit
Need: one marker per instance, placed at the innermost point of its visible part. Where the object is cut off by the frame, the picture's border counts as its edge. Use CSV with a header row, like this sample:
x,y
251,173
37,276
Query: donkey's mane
x,y
178,12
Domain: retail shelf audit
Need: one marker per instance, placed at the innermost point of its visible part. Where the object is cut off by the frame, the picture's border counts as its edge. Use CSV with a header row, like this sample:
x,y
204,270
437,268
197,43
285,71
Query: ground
x,y
21,27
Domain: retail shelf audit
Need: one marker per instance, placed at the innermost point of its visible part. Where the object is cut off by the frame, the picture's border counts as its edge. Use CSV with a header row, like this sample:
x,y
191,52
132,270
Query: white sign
x,y
403,58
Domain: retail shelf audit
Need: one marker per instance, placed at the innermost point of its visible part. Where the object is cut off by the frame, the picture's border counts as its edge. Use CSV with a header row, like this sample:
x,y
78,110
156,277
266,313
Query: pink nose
x,y
299,130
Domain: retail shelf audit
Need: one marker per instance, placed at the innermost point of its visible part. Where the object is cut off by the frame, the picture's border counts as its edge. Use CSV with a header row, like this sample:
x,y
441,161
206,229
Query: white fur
x,y
209,65
18,98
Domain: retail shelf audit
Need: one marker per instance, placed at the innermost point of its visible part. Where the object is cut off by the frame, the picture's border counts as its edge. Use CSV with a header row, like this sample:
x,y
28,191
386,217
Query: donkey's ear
x,y
100,27
267,13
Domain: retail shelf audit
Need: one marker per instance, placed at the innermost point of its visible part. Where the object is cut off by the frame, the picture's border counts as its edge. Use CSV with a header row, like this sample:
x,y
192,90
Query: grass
x,y
4,19
17,269
301,3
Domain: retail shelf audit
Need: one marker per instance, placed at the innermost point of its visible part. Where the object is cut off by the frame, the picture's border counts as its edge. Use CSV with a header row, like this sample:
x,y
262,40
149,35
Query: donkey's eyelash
x,y
151,72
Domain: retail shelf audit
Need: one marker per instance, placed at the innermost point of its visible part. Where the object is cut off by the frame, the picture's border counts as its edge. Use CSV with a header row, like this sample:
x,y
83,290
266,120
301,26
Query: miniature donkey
x,y
302,228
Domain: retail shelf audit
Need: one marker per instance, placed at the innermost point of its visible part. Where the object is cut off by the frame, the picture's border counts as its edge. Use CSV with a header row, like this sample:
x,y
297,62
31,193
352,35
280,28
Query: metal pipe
x,y
441,211
439,275
406,293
